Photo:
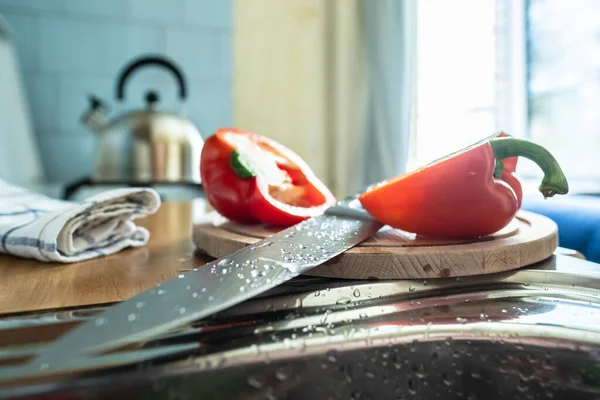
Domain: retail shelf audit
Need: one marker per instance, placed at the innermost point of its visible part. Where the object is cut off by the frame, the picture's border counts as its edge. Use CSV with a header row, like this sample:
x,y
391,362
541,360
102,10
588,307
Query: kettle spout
x,y
94,118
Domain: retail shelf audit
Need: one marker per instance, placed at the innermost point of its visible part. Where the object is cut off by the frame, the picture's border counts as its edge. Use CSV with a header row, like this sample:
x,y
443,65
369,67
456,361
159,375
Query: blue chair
x,y
577,217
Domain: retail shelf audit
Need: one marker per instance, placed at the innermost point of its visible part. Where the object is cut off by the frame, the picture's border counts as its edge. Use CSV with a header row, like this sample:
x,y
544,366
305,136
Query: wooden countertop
x,y
29,285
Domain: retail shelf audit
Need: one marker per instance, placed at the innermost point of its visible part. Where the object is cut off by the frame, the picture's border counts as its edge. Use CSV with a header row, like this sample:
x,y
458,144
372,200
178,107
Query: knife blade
x,y
220,284
217,285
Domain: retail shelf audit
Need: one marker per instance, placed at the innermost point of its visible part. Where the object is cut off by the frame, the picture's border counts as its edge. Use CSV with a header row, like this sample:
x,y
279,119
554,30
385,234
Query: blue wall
x,y
69,49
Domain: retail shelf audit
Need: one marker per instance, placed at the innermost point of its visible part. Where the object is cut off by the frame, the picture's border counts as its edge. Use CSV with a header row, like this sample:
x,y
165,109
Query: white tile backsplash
x,y
123,43
209,13
72,46
71,157
69,49
207,106
155,11
74,92
42,96
114,9
25,33
198,53
33,6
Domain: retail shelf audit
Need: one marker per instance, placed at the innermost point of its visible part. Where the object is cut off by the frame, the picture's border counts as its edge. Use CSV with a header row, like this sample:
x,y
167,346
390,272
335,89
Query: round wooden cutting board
x,y
396,254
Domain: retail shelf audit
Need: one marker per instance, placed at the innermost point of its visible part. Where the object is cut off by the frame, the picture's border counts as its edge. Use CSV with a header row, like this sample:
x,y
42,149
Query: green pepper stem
x,y
499,169
240,165
554,180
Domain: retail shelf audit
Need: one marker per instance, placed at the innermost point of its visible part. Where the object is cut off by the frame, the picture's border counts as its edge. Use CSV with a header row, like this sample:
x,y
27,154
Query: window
x,y
530,68
563,65
456,69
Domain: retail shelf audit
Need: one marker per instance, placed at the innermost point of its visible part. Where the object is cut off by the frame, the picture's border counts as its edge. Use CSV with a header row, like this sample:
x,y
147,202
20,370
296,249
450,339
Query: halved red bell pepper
x,y
250,178
459,196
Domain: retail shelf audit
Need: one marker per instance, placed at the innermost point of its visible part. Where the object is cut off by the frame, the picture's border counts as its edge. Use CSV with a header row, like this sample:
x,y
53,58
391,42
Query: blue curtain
x,y
390,38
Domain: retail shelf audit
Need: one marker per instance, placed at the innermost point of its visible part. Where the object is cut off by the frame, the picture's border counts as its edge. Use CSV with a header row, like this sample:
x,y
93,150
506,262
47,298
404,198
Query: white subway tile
x,y
72,46
74,92
36,7
198,52
26,41
209,13
67,157
210,105
158,11
124,43
42,97
94,8
225,56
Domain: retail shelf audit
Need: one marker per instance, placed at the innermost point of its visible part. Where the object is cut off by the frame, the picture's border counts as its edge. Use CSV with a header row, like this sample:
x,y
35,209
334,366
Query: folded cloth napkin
x,y
35,226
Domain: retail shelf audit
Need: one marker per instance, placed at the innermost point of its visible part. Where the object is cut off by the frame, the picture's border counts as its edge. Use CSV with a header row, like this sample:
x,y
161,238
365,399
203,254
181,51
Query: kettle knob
x,y
96,104
151,98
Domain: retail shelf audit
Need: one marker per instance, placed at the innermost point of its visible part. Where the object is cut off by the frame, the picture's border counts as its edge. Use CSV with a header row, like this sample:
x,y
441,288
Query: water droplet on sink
x,y
255,382
343,300
446,379
331,355
412,386
281,374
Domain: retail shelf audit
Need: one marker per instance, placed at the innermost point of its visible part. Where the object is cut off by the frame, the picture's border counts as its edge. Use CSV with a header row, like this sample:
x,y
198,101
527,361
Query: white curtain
x,y
333,80
390,43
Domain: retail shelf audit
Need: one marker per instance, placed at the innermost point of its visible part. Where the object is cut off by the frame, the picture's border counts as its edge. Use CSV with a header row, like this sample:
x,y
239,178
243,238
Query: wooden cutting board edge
x,y
535,240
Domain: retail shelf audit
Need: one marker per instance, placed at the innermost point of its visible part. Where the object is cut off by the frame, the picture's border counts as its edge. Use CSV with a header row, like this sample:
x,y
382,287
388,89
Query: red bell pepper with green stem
x,y
506,169
249,178
460,197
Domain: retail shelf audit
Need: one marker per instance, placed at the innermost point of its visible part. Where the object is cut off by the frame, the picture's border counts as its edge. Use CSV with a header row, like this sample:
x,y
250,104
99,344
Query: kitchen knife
x,y
218,285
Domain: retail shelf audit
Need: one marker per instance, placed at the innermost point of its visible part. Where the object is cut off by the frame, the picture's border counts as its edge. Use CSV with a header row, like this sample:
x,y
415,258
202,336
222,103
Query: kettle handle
x,y
154,60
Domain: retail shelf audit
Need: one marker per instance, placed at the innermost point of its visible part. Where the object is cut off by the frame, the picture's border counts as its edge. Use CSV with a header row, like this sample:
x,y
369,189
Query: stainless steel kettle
x,y
148,145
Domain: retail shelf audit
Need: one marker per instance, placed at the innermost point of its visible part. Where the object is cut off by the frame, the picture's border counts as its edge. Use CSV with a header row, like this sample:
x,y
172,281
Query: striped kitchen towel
x,y
36,226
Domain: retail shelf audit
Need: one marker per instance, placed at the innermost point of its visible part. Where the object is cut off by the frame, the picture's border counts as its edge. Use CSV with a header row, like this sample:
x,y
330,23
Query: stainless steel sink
x,y
527,334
